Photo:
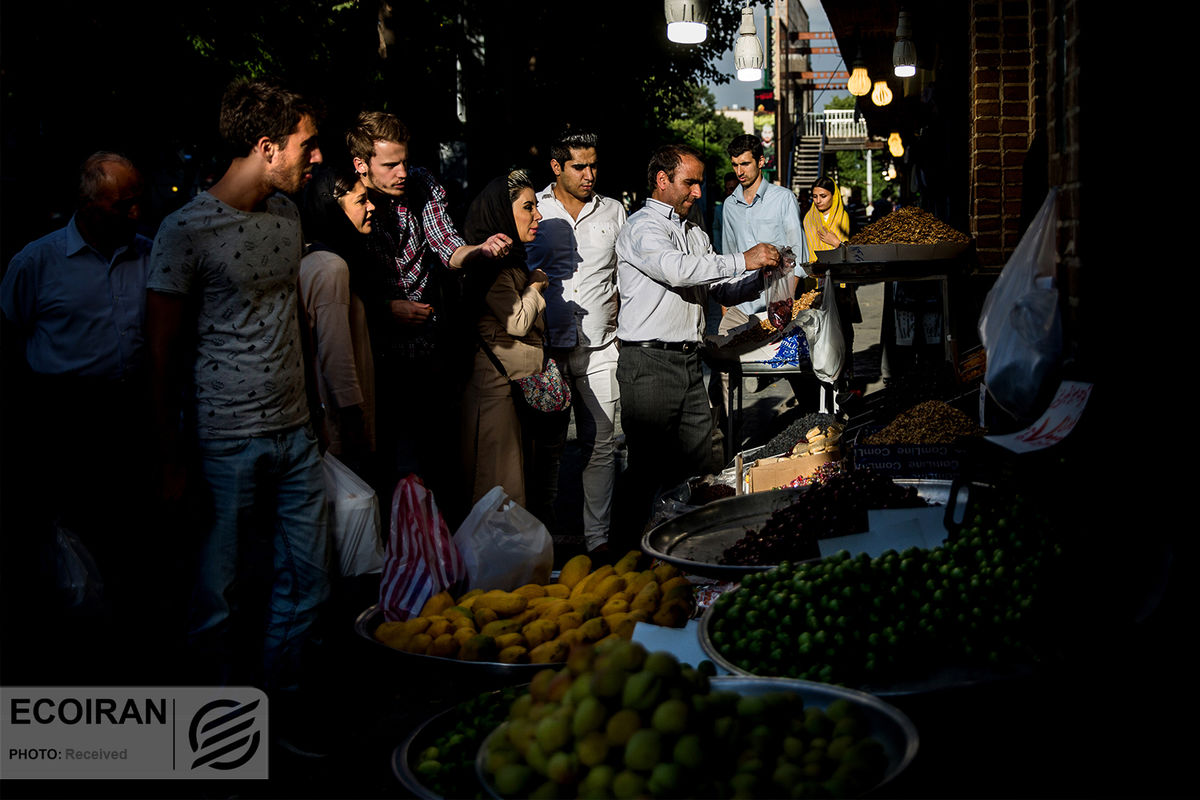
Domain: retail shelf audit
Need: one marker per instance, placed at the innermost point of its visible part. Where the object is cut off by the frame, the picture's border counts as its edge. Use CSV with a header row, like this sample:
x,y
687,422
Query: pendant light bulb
x,y
860,82
882,95
687,20
748,51
895,144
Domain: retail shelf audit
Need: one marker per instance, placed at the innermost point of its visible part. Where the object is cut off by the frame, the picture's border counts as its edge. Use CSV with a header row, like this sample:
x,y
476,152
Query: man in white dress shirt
x,y
666,270
575,248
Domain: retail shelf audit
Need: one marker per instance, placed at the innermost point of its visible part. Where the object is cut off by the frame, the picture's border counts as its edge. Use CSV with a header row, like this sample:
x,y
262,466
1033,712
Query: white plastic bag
x,y
823,330
503,545
353,519
1020,324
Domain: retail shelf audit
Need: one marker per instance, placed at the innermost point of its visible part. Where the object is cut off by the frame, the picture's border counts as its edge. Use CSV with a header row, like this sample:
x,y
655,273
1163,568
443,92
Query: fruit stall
x,y
892,602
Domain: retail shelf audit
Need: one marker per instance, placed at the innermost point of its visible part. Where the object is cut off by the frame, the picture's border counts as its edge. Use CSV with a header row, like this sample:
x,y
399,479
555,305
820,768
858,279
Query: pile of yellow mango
x,y
538,624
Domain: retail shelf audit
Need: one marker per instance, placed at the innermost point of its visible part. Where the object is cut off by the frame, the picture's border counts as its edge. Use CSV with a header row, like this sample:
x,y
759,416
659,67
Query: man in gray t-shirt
x,y
223,280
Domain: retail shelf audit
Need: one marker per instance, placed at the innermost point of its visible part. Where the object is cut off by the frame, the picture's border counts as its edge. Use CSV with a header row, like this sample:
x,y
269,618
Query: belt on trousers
x,y
682,347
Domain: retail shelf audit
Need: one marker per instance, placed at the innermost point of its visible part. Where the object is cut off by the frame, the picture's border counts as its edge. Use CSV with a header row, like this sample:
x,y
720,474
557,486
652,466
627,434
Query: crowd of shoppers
x,y
319,300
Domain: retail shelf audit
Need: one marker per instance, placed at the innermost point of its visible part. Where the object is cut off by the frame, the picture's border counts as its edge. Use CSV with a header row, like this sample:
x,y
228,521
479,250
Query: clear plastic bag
x,y
781,290
1020,324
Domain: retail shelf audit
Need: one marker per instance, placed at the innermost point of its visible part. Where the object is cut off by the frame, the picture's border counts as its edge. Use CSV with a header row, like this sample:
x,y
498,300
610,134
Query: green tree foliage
x,y
146,77
697,123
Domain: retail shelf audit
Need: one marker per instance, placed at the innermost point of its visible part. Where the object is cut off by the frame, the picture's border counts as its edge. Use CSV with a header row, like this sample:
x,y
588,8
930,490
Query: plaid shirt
x,y
408,233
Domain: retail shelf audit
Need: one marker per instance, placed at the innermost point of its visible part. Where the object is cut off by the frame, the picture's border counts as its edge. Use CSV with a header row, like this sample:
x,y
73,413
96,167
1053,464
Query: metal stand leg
x,y
735,380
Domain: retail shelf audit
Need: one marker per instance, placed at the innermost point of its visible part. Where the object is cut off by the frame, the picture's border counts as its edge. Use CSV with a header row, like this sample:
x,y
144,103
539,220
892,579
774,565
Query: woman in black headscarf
x,y
511,325
336,215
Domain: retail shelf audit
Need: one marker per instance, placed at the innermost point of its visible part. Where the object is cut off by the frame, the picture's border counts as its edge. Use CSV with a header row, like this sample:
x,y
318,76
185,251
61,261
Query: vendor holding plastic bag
x,y
511,325
827,226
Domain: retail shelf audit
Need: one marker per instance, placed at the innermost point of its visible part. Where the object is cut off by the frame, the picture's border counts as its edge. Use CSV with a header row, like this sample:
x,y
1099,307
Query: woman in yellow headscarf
x,y
827,225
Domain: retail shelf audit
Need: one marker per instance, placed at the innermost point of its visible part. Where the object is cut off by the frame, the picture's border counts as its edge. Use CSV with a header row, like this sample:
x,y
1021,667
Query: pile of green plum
x,y
620,722
447,765
871,622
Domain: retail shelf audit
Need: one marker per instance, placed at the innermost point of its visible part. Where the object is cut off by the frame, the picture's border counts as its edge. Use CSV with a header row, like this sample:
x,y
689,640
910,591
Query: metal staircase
x,y
806,162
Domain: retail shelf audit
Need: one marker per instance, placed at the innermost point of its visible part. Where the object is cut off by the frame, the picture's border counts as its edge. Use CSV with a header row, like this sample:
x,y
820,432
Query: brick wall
x,y
1007,47
1063,135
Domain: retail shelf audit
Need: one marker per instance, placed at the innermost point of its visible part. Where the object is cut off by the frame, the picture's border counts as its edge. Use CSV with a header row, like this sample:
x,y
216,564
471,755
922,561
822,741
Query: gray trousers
x,y
667,424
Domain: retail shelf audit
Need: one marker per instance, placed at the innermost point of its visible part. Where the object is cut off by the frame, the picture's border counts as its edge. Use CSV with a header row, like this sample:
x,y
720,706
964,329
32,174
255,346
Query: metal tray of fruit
x,y
888,724
406,755
944,677
696,540
370,619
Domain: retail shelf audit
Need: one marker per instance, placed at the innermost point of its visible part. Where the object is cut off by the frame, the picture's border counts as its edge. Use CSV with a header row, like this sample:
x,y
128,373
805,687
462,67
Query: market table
x,y
865,264
738,371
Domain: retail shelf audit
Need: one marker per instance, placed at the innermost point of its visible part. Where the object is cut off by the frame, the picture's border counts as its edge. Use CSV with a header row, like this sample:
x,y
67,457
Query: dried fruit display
x,y
908,225
836,507
931,422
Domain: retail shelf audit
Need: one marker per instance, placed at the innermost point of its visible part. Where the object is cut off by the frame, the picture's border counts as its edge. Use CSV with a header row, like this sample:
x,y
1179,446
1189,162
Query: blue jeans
x,y
274,484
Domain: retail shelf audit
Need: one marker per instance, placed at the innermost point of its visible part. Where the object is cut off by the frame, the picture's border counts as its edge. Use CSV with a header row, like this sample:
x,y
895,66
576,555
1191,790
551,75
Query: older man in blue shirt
x,y
77,296
74,303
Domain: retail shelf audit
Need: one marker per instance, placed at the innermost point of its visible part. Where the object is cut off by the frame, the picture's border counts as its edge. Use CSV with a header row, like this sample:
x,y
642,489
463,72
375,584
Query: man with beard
x,y
223,279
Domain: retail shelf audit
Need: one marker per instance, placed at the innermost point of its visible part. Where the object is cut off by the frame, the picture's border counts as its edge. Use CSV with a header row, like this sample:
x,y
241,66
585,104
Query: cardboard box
x,y
772,473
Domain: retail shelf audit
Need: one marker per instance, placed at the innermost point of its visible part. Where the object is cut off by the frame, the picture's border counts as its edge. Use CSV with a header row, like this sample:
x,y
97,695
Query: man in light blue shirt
x,y
756,211
759,212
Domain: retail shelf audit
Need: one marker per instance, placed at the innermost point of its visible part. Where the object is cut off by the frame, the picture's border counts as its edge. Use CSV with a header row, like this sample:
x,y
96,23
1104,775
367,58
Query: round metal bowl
x,y
370,619
696,540
417,740
426,731
888,724
943,677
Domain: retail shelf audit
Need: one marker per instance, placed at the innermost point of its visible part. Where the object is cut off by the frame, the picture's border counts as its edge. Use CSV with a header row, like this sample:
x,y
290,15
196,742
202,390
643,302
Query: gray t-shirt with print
x,y
238,270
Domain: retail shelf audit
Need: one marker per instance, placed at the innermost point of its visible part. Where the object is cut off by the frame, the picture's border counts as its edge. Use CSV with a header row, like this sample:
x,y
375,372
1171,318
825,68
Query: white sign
x,y
1054,425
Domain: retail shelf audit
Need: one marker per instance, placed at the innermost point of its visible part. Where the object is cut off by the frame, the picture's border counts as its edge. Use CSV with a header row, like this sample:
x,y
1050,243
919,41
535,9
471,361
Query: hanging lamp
x,y
881,95
895,144
904,52
860,82
747,51
687,20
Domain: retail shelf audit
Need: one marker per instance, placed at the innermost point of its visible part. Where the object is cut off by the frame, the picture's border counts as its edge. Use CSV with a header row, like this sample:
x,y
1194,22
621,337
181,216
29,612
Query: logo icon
x,y
221,734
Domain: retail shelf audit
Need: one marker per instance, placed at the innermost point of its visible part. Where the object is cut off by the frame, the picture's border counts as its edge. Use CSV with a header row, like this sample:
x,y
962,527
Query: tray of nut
x,y
905,235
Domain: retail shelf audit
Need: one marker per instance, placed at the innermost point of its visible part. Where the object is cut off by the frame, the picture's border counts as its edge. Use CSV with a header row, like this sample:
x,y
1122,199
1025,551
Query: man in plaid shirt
x,y
412,236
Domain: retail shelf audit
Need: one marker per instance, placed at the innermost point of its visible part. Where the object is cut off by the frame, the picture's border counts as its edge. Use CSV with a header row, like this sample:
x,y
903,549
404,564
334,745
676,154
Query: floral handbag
x,y
546,391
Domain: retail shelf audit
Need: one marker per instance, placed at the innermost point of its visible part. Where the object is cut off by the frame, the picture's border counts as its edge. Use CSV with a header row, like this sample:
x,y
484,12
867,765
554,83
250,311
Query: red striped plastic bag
x,y
421,559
